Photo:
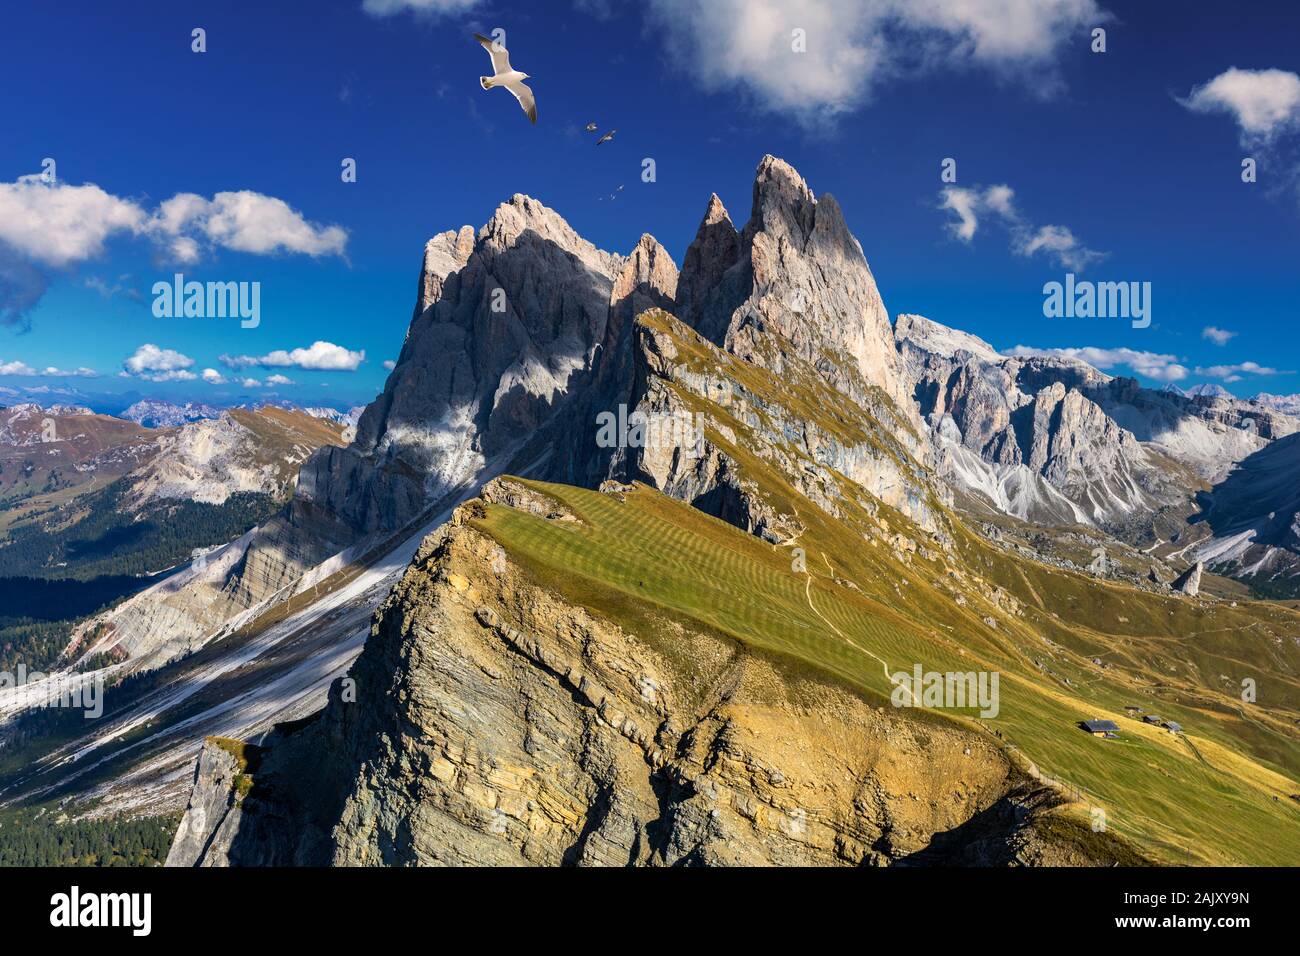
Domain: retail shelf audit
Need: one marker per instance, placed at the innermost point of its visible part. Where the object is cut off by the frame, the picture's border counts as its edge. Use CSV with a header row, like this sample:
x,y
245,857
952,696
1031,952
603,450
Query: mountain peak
x,y
774,172
782,200
648,280
931,336
715,212
713,251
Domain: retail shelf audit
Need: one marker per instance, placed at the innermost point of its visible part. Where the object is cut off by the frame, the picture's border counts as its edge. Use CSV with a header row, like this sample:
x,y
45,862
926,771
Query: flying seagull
x,y
607,137
591,127
506,75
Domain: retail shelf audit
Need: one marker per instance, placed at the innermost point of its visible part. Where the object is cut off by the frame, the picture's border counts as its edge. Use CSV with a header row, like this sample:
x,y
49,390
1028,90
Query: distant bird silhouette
x,y
607,137
506,75
591,127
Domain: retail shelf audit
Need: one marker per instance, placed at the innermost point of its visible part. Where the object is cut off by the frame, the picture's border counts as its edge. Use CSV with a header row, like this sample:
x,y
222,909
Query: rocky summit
x,y
633,564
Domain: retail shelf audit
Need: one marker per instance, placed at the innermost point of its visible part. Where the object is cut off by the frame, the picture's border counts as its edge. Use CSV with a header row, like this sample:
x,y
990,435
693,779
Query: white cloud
x,y
320,357
1057,242
1216,335
56,225
213,377
251,383
388,8
278,379
1161,367
1235,373
244,221
852,45
1263,102
154,364
390,364
966,204
50,371
52,225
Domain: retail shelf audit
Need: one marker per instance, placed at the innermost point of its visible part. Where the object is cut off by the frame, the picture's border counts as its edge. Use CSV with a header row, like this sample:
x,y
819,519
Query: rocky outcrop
x,y
793,281
708,413
444,254
214,814
209,460
1031,436
576,450
1189,582
496,724
701,291
505,335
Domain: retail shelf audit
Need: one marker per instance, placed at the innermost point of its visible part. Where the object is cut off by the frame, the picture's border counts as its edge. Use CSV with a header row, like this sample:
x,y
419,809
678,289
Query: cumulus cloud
x,y
1235,373
48,225
244,221
998,203
319,357
250,383
1059,243
278,379
853,45
1217,335
55,224
50,371
154,364
390,364
213,377
1264,103
1161,367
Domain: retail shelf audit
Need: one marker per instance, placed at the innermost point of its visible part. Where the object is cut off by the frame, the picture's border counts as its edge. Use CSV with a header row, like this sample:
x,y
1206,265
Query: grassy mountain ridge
x,y
872,593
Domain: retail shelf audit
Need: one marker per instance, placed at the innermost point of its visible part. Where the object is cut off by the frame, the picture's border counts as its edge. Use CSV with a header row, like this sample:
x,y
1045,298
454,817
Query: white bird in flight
x,y
506,75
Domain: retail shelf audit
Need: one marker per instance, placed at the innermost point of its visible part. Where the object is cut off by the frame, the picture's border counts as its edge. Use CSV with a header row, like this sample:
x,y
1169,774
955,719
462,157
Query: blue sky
x,y
1127,163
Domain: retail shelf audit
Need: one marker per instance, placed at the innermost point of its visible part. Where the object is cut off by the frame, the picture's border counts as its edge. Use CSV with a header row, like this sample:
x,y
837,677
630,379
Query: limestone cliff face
x,y
572,443
1030,435
734,413
506,331
494,723
794,270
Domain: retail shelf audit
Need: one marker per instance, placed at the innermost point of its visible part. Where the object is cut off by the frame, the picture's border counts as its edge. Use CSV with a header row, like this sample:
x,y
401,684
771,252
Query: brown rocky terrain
x,y
495,724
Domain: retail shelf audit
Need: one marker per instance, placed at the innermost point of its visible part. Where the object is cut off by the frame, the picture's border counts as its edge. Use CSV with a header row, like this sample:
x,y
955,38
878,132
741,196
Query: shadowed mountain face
x,y
1254,517
1262,493
506,329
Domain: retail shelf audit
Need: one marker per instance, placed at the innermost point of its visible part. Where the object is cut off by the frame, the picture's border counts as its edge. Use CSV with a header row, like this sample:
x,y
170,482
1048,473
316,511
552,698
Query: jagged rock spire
x,y
794,270
714,250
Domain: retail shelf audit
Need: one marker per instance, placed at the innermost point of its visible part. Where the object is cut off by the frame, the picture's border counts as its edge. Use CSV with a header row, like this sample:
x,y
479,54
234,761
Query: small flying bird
x,y
506,75
591,127
607,137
